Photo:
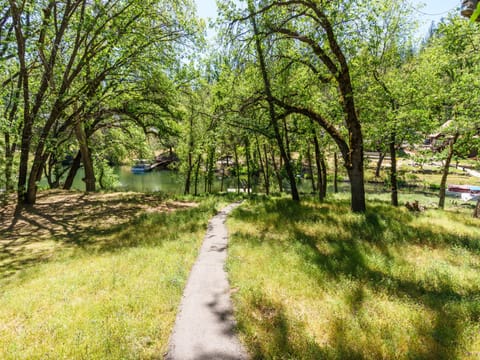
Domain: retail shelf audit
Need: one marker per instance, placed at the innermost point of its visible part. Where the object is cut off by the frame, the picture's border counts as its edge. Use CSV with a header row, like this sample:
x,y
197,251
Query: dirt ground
x,y
63,219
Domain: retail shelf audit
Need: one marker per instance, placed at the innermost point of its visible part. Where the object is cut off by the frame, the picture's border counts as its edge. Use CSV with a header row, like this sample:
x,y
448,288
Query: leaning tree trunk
x,y
263,166
381,157
446,170
86,158
73,171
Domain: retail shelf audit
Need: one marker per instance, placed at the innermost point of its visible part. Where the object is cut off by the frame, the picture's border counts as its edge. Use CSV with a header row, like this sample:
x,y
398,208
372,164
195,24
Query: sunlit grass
x,y
318,282
113,297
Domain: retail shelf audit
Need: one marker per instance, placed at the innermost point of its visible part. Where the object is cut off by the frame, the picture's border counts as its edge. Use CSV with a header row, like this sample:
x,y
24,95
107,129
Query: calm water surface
x,y
156,180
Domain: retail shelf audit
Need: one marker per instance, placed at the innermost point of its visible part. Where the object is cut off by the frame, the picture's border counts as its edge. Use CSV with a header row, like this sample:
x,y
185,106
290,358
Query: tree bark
x,y
11,145
393,168
476,212
27,117
237,167
9,153
267,170
197,171
323,189
86,158
263,165
381,157
318,162
73,171
247,160
277,172
335,173
310,169
446,170
209,173
191,144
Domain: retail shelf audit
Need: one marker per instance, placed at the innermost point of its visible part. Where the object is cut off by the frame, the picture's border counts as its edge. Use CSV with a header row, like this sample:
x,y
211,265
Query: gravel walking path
x,y
205,327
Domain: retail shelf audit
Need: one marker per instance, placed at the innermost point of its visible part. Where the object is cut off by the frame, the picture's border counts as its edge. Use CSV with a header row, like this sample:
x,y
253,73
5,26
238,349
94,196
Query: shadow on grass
x,y
276,334
32,235
380,229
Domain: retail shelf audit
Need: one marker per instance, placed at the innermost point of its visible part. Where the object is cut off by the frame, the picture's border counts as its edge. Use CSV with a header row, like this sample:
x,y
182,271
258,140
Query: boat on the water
x,y
141,166
466,192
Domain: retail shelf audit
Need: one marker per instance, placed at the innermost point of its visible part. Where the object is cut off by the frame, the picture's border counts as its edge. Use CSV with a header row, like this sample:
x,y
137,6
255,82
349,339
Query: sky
x,y
433,10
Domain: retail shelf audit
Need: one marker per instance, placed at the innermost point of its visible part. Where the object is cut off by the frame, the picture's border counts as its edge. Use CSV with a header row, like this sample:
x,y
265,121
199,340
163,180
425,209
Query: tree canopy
x,y
289,85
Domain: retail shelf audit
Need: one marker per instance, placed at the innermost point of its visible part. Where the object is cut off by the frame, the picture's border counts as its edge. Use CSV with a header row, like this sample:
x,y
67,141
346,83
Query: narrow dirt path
x,y
205,327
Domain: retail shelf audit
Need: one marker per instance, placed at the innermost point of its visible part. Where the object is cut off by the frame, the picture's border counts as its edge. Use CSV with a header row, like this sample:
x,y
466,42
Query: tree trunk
x,y
446,170
335,173
211,169
27,116
73,171
476,212
277,172
393,168
323,188
381,157
287,139
267,171
247,160
86,158
271,106
9,147
310,168
9,153
188,177
100,178
355,172
191,145
223,177
197,171
262,164
237,167
318,162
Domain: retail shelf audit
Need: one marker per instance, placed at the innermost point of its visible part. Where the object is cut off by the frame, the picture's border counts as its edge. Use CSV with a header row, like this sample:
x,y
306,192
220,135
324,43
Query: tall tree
x,y
81,46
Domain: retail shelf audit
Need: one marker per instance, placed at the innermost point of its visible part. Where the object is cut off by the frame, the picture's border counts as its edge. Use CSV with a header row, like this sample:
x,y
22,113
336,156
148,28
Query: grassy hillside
x,y
314,281
106,288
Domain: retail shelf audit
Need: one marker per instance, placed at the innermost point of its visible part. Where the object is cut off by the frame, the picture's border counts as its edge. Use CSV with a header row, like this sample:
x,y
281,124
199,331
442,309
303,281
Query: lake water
x,y
156,180
167,181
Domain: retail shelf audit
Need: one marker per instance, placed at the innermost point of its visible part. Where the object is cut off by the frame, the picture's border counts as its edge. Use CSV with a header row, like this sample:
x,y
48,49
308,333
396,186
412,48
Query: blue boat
x,y
141,166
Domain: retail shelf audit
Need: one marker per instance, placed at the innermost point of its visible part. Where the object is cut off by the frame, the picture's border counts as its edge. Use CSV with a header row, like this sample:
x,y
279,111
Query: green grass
x,y
315,281
112,297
